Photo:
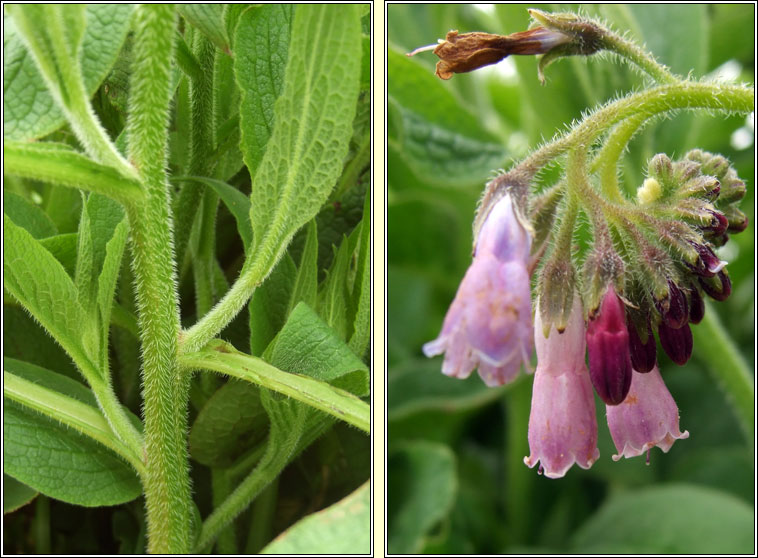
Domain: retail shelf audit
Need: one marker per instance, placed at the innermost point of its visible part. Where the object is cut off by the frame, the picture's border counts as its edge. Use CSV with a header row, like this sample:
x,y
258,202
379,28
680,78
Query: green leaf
x,y
237,203
27,215
342,528
269,305
437,136
16,494
208,18
29,110
41,285
418,385
58,462
360,306
312,126
59,164
305,345
106,284
263,35
26,340
63,248
306,281
422,478
670,519
334,297
230,424
52,455
231,16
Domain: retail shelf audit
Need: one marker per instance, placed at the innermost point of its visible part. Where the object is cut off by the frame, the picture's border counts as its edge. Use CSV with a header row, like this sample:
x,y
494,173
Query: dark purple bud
x,y
697,305
642,355
718,287
674,308
608,350
718,224
676,343
708,263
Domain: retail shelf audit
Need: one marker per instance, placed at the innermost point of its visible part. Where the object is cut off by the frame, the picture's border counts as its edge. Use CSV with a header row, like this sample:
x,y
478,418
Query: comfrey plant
x,y
221,144
646,269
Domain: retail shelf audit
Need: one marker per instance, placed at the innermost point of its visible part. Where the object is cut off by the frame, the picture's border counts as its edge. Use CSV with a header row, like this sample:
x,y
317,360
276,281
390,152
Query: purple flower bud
x,y
719,287
562,423
697,306
608,349
642,355
718,225
676,343
489,324
674,311
648,417
708,263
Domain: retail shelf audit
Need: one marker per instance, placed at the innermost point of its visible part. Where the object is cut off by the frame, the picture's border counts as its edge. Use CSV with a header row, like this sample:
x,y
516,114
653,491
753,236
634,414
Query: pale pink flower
x,y
489,324
647,417
562,423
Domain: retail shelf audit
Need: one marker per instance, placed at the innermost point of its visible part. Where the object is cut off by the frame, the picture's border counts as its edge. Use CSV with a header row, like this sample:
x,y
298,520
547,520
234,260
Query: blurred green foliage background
x,y
456,478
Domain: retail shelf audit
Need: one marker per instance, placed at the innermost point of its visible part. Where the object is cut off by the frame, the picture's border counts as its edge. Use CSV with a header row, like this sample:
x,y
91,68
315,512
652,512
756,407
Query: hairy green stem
x,y
609,156
166,483
636,55
715,348
654,101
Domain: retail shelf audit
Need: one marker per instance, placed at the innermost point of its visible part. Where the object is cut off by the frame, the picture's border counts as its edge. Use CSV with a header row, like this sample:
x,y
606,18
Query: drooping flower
x,y
489,324
647,417
608,350
562,423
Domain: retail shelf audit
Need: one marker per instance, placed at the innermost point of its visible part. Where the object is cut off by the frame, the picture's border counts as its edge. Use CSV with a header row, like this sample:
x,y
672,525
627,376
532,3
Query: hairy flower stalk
x,y
642,275
489,324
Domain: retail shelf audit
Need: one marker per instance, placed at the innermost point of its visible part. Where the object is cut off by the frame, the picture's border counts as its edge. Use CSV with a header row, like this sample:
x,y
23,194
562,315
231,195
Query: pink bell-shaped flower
x,y
562,423
489,324
647,417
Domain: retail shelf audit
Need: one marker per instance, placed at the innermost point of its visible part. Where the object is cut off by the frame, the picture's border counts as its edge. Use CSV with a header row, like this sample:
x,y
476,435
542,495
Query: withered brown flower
x,y
460,53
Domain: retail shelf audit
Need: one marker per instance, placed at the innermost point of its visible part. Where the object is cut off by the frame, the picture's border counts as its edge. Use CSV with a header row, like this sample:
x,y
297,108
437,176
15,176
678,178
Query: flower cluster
x,y
489,324
644,274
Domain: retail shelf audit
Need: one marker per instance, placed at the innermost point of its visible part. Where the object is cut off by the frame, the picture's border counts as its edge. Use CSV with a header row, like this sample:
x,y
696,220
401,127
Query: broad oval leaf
x,y
670,519
59,461
422,478
342,528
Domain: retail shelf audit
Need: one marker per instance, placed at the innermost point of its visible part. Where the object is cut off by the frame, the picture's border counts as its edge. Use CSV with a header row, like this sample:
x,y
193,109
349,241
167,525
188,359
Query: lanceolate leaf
x,y
29,110
208,19
263,35
361,295
27,215
237,203
306,281
106,285
312,126
40,283
59,164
